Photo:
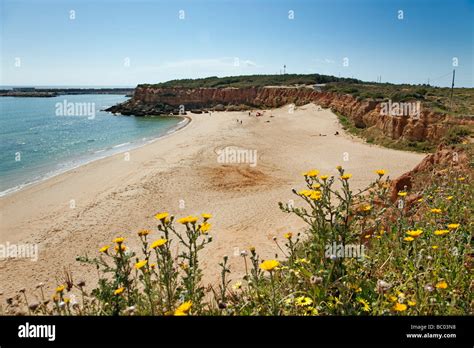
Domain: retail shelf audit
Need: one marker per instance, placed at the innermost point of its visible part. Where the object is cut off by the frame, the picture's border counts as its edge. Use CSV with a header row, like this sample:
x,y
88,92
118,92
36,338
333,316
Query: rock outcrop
x,y
427,126
446,159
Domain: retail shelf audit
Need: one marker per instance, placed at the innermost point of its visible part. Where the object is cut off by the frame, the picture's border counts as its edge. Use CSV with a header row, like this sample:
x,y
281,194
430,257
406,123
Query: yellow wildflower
x,y
462,178
312,173
119,240
380,172
449,198
158,243
60,289
188,219
161,216
122,247
119,291
104,249
269,265
324,177
402,194
453,226
414,233
434,247
205,227
206,216
288,235
365,304
141,264
143,233
315,195
346,176
366,208
303,301
411,303
441,232
305,193
316,186
441,285
409,239
436,211
399,307
183,308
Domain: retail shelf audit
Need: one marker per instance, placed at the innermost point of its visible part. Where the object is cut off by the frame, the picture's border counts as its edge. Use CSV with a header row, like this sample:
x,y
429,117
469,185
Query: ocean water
x,y
41,137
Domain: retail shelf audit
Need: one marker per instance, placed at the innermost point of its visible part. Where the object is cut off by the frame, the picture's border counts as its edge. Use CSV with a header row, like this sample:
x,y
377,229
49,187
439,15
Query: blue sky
x,y
42,45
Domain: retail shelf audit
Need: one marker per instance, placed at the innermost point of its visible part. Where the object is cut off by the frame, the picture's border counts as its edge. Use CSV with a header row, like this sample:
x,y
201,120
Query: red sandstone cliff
x,y
429,126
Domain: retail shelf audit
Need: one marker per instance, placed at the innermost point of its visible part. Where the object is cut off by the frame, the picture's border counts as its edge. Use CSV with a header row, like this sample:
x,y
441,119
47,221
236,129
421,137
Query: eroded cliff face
x,y
427,126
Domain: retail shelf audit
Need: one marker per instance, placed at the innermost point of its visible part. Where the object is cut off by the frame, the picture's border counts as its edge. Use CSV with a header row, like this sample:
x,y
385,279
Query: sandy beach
x,y
117,197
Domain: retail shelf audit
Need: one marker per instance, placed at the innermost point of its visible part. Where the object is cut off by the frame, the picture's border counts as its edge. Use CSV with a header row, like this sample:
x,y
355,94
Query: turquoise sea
x,y
41,137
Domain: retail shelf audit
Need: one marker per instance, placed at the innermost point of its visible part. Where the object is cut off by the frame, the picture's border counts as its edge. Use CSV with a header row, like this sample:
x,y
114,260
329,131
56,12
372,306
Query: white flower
x,y
383,286
73,300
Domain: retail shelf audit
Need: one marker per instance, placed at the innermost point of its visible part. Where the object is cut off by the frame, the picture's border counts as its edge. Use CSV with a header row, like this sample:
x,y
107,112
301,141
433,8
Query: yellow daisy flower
x,y
183,308
414,233
161,216
119,291
143,233
120,247
303,301
399,307
205,227
288,235
158,243
141,264
269,265
312,173
188,219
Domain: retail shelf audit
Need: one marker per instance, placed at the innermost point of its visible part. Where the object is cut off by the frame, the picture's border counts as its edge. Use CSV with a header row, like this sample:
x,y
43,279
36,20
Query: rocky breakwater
x,y
364,114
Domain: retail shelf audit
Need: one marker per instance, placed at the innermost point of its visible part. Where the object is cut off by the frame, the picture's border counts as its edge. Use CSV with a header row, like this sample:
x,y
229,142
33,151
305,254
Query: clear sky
x,y
123,43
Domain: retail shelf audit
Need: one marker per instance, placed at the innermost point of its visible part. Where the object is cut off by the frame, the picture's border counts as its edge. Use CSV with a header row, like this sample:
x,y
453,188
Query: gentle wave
x,y
92,157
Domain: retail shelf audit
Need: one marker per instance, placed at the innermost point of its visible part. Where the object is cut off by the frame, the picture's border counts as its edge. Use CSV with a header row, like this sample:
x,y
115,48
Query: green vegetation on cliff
x,y
254,81
437,99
